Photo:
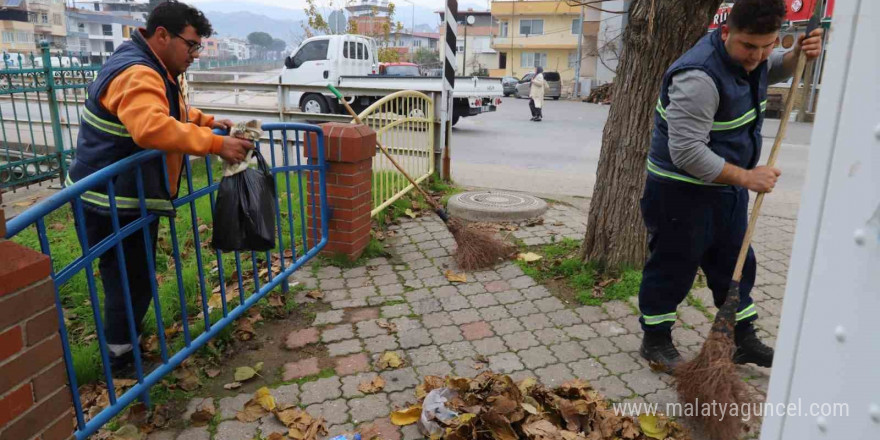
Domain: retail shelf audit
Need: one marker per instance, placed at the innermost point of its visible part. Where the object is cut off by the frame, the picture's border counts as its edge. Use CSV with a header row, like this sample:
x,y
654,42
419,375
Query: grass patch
x,y
585,282
193,245
323,374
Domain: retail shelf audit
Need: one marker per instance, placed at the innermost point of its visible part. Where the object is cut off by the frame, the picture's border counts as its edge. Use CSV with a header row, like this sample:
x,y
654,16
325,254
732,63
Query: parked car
x,y
434,73
399,69
553,81
509,85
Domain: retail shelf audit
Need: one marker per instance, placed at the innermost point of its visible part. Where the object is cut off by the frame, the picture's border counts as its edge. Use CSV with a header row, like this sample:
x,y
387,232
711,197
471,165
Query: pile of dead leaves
x,y
492,407
300,424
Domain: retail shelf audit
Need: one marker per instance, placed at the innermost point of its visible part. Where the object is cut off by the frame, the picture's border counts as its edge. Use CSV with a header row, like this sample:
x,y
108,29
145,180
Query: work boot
x,y
657,348
750,349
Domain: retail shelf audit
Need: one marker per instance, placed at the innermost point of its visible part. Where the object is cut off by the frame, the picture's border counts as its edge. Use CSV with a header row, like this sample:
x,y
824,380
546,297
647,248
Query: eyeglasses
x,y
194,46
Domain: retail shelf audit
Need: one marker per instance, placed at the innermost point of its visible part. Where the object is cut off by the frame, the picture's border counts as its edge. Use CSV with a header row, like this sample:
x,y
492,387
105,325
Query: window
x,y
108,46
533,59
361,51
459,48
56,18
81,27
417,43
366,51
502,60
45,18
314,50
33,17
531,27
107,30
24,37
97,6
572,60
502,29
8,37
576,26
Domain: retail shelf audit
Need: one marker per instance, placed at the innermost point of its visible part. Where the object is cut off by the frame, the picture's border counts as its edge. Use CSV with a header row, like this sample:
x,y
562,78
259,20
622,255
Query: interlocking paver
x,y
588,369
520,341
505,363
550,336
494,313
345,347
350,384
524,308
536,357
337,333
321,390
413,338
331,317
554,375
476,330
425,355
507,326
489,346
333,411
400,379
435,320
235,430
457,350
465,316
445,335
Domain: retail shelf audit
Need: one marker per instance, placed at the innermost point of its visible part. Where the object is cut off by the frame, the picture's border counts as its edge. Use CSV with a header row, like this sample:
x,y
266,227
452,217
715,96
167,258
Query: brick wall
x,y
349,151
34,398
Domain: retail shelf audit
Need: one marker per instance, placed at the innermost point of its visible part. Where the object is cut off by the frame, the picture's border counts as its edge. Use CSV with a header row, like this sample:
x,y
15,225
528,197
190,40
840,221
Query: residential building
x,y
122,8
25,23
609,40
211,48
407,43
234,49
532,33
98,34
370,17
474,43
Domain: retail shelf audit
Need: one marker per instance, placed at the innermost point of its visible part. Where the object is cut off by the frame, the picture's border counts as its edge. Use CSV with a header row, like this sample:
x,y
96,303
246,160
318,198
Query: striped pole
x,y
451,19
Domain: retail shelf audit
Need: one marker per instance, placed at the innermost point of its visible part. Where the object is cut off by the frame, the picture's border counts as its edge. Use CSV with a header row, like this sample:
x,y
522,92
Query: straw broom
x,y
477,249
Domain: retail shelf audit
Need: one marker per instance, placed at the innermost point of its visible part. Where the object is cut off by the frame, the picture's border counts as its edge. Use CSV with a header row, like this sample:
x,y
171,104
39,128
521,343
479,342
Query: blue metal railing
x,y
292,162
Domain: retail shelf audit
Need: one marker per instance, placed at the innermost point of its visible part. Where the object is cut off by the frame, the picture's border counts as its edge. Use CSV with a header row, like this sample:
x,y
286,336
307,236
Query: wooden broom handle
x,y
783,125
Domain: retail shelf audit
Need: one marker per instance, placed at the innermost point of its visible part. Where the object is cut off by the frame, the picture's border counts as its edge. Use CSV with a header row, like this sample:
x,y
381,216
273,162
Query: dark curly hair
x,y
175,16
757,16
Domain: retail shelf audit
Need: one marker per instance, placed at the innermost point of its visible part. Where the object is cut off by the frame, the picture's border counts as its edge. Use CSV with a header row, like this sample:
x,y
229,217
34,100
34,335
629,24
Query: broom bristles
x,y
712,377
477,249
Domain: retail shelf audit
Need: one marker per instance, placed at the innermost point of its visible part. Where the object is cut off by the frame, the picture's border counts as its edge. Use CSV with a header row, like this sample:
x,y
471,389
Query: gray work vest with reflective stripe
x,y
736,132
103,140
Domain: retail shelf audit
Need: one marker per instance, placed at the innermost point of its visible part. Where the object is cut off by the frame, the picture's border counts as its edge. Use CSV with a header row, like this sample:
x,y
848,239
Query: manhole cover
x,y
495,206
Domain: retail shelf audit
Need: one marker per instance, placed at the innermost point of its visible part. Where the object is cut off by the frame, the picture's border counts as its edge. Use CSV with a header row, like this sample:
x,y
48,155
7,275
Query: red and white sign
x,y
798,10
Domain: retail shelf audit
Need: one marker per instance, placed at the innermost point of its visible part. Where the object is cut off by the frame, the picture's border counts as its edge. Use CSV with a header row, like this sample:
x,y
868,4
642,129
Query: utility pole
x,y
577,68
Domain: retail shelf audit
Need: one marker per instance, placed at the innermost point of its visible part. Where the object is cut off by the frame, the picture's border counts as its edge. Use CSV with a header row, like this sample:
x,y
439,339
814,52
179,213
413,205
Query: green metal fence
x,y
41,97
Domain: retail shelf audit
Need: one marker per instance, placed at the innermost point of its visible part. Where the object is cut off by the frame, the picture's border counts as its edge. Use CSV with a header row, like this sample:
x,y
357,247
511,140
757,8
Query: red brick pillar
x,y
349,151
34,398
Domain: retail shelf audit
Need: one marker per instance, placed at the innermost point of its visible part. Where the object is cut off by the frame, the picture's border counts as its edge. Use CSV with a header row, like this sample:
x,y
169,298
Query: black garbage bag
x,y
244,213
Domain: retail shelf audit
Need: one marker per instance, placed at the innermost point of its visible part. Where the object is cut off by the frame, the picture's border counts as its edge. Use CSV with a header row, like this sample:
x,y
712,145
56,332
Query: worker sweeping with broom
x,y
702,162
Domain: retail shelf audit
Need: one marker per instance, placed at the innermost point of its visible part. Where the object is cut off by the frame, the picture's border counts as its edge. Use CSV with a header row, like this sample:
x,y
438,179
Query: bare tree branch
x,y
590,3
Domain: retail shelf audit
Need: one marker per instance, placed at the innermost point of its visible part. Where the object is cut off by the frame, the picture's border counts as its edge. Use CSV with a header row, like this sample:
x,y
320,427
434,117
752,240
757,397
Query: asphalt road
x,y
558,157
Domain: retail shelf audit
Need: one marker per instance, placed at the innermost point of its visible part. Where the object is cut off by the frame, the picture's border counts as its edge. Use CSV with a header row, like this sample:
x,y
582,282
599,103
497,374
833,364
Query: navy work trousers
x,y
98,227
692,226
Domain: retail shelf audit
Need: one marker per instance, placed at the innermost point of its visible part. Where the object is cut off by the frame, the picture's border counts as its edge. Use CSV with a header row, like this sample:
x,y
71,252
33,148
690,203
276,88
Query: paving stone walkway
x,y
499,314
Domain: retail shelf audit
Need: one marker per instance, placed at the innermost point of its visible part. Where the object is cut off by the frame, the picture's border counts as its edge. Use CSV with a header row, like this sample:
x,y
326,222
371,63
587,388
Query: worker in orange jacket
x,y
135,103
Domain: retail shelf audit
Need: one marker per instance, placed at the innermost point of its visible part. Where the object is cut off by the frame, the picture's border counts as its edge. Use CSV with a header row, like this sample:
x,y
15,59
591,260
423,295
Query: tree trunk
x,y
658,32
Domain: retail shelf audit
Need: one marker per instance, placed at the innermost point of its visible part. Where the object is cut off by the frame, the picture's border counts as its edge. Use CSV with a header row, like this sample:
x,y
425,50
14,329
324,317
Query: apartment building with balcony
x,y
531,33
25,23
474,43
98,34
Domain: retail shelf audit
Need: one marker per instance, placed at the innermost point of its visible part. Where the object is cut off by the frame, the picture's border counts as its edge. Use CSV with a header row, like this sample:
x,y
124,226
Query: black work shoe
x,y
750,349
658,349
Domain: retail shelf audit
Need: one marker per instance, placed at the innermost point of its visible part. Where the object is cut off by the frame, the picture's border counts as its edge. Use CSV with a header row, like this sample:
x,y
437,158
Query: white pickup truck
x,y
351,61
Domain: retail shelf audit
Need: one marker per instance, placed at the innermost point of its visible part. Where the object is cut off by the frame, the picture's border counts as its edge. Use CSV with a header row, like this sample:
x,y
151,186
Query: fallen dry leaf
x,y
409,213
653,426
187,380
275,436
244,373
372,386
456,277
390,359
204,413
406,416
390,326
276,301
315,294
265,399
203,228
244,330
252,412
528,257
232,385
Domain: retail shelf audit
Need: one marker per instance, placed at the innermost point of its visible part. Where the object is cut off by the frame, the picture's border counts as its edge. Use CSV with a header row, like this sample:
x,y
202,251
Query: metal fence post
x,y
53,110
